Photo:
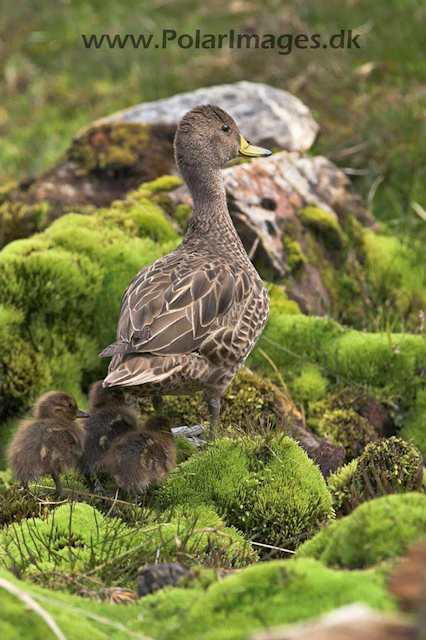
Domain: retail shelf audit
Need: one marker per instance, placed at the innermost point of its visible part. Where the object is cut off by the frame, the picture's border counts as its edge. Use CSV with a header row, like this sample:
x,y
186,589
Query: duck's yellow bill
x,y
248,149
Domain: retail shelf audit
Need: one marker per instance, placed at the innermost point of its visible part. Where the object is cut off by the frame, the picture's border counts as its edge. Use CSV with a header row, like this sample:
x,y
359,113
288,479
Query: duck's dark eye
x,y
70,405
225,127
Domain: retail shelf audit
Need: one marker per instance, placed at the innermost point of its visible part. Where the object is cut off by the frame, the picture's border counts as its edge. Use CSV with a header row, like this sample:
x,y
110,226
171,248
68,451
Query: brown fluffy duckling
x,y
189,320
139,459
51,442
109,418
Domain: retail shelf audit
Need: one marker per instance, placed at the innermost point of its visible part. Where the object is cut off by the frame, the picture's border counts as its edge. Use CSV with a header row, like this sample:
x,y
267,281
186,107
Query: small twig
x,y
32,604
85,493
270,546
112,506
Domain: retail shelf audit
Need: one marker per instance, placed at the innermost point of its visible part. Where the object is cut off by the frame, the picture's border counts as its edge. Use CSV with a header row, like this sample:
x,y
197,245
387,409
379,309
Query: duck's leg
x,y
58,485
157,403
214,412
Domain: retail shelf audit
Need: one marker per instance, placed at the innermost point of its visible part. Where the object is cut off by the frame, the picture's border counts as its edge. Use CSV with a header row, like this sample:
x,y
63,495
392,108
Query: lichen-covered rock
x,y
265,115
265,486
378,530
289,210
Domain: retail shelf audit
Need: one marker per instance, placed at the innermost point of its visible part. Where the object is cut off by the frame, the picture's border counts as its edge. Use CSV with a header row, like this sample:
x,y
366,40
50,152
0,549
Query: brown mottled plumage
x,y
109,418
51,443
138,459
190,319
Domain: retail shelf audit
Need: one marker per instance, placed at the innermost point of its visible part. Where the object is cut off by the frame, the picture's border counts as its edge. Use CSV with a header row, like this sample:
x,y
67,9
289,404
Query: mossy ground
x,y
265,486
376,531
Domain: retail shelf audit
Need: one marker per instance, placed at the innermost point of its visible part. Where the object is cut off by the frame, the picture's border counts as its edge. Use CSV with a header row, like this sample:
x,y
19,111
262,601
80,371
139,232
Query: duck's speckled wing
x,y
172,306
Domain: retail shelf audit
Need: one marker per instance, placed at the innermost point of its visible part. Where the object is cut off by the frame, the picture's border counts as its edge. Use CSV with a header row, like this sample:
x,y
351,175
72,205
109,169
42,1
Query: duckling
x,y
51,443
189,320
109,418
139,459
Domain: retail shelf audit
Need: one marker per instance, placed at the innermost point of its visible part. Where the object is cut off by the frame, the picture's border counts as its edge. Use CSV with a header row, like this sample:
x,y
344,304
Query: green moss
x,y
62,289
141,218
251,403
396,277
77,537
279,300
371,359
339,484
295,340
276,593
377,530
296,259
415,424
309,386
77,617
22,368
163,183
392,364
267,487
348,428
110,146
324,225
20,220
185,448
182,215
387,466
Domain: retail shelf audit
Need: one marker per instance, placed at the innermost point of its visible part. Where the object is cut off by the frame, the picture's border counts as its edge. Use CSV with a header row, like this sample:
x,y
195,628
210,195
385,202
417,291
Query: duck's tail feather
x,y
138,370
116,348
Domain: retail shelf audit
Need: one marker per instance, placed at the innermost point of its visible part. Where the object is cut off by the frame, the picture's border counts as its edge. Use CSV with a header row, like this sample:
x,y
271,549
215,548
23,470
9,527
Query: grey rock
x,y
158,576
264,114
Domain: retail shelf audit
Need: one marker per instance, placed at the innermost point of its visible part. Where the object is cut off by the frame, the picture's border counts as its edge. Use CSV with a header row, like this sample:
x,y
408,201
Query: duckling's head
x,y
158,423
58,405
207,137
104,397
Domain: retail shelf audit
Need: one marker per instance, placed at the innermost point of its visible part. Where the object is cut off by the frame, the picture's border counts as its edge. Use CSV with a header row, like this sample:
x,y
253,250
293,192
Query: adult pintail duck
x,y
189,320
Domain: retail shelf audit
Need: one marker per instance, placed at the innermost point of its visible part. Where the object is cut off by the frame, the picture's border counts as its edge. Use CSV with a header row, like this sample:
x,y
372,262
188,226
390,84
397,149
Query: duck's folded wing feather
x,y
169,309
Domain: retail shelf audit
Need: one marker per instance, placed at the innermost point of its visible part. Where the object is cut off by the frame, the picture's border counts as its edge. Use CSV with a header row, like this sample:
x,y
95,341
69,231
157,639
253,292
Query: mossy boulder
x,y
251,403
348,428
265,486
383,365
276,593
124,148
77,537
387,466
20,220
378,530
268,594
62,290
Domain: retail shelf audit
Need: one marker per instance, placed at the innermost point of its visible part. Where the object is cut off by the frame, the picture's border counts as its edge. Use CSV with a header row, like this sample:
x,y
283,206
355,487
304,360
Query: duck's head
x,y
104,397
158,423
208,137
58,405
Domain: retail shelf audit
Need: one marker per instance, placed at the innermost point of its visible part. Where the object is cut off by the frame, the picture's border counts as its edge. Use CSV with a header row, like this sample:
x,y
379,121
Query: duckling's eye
x,y
225,127
70,405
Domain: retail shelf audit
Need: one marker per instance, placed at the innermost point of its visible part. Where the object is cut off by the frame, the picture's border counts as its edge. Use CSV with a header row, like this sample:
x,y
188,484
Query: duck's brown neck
x,y
210,215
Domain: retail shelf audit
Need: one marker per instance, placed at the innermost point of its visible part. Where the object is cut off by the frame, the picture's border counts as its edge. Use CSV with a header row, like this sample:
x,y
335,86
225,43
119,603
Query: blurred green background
x,y
370,103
